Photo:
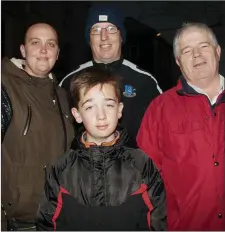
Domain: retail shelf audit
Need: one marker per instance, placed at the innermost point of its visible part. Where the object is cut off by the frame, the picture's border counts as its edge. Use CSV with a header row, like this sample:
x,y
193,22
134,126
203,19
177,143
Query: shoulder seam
x,y
82,66
135,68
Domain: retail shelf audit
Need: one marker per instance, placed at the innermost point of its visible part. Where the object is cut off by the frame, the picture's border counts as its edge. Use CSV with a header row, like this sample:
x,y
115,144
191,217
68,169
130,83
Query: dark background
x,y
144,20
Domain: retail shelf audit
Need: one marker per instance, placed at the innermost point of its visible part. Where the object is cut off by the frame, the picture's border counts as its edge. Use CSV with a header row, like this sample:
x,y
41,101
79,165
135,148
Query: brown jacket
x,y
34,139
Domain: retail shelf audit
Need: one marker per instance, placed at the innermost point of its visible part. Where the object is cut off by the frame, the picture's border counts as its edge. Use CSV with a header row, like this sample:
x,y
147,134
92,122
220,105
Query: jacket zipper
x,y
28,120
56,97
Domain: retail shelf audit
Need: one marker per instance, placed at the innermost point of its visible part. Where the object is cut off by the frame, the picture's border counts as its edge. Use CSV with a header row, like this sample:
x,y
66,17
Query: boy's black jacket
x,y
103,188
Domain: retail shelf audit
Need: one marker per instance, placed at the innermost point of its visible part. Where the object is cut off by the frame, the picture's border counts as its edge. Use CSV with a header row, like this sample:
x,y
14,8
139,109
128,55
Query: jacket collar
x,y
184,88
21,63
109,66
105,144
14,67
120,140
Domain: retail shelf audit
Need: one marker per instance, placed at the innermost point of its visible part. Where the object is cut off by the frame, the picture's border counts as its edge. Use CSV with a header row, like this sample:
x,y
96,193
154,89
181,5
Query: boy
x,y
101,184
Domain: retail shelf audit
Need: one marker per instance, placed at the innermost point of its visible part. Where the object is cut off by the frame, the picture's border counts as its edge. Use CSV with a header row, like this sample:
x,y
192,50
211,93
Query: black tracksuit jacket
x,y
103,188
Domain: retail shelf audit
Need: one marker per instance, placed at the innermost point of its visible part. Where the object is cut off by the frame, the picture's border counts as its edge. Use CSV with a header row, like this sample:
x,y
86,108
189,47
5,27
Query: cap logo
x,y
103,18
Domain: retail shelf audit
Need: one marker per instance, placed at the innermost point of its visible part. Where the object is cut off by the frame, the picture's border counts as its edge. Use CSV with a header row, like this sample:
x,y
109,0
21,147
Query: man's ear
x,y
121,39
218,51
22,50
76,115
177,61
120,110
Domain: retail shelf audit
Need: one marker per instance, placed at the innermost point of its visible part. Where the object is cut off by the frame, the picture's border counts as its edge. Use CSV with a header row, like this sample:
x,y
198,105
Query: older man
x,y
35,125
105,33
183,132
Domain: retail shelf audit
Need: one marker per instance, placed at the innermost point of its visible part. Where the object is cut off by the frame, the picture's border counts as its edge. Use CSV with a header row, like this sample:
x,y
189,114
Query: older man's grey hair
x,y
187,26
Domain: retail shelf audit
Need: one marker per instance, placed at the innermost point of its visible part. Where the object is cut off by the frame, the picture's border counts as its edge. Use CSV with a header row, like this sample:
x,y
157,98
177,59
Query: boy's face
x,y
99,110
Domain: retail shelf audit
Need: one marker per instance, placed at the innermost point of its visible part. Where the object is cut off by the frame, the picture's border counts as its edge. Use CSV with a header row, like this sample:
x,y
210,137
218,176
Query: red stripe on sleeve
x,y
149,205
143,190
59,205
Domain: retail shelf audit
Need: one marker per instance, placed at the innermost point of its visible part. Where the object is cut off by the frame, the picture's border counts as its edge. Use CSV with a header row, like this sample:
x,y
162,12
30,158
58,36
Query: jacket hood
x,y
15,67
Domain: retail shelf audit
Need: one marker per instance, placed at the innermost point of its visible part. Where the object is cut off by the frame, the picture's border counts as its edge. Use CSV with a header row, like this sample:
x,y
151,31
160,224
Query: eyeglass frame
x,y
106,28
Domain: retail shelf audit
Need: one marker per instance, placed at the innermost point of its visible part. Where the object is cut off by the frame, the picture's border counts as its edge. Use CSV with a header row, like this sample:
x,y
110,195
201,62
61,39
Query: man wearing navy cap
x,y
105,33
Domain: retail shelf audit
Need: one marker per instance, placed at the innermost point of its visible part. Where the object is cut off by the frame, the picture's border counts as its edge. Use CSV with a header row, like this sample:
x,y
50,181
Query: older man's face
x,y
105,47
199,58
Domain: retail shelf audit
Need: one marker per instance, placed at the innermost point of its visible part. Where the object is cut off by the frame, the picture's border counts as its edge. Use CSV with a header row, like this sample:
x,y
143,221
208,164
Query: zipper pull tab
x,y
44,168
28,120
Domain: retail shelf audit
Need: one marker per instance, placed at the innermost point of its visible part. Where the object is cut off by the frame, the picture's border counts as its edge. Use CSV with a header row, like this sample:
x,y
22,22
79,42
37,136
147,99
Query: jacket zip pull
x,y
64,113
28,120
44,167
67,116
53,93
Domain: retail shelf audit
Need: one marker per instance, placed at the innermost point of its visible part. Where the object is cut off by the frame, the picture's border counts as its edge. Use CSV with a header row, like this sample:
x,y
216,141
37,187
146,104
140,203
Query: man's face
x,y
199,58
40,50
105,47
99,110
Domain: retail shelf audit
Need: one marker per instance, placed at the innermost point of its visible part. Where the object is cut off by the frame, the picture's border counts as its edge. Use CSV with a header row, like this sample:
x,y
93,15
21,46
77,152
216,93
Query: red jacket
x,y
185,136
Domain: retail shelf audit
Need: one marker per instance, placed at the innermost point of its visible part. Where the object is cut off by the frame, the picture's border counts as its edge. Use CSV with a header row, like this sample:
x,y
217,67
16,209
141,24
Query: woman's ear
x,y
22,50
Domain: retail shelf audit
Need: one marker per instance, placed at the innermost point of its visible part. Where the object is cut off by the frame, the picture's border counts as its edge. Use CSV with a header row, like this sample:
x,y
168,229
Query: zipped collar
x,y
109,66
120,140
184,88
105,144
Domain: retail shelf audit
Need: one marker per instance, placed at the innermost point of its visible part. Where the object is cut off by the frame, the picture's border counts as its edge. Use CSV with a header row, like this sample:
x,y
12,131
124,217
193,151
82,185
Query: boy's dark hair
x,y
90,77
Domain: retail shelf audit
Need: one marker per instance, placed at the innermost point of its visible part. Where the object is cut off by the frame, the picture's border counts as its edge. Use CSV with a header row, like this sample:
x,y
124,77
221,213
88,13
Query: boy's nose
x,y
101,114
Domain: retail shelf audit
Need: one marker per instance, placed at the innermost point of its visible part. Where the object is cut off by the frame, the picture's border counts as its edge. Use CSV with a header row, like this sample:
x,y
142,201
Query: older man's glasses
x,y
109,29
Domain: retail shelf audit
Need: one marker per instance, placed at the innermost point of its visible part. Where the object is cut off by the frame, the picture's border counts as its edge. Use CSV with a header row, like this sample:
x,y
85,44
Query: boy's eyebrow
x,y
110,99
91,99
88,100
